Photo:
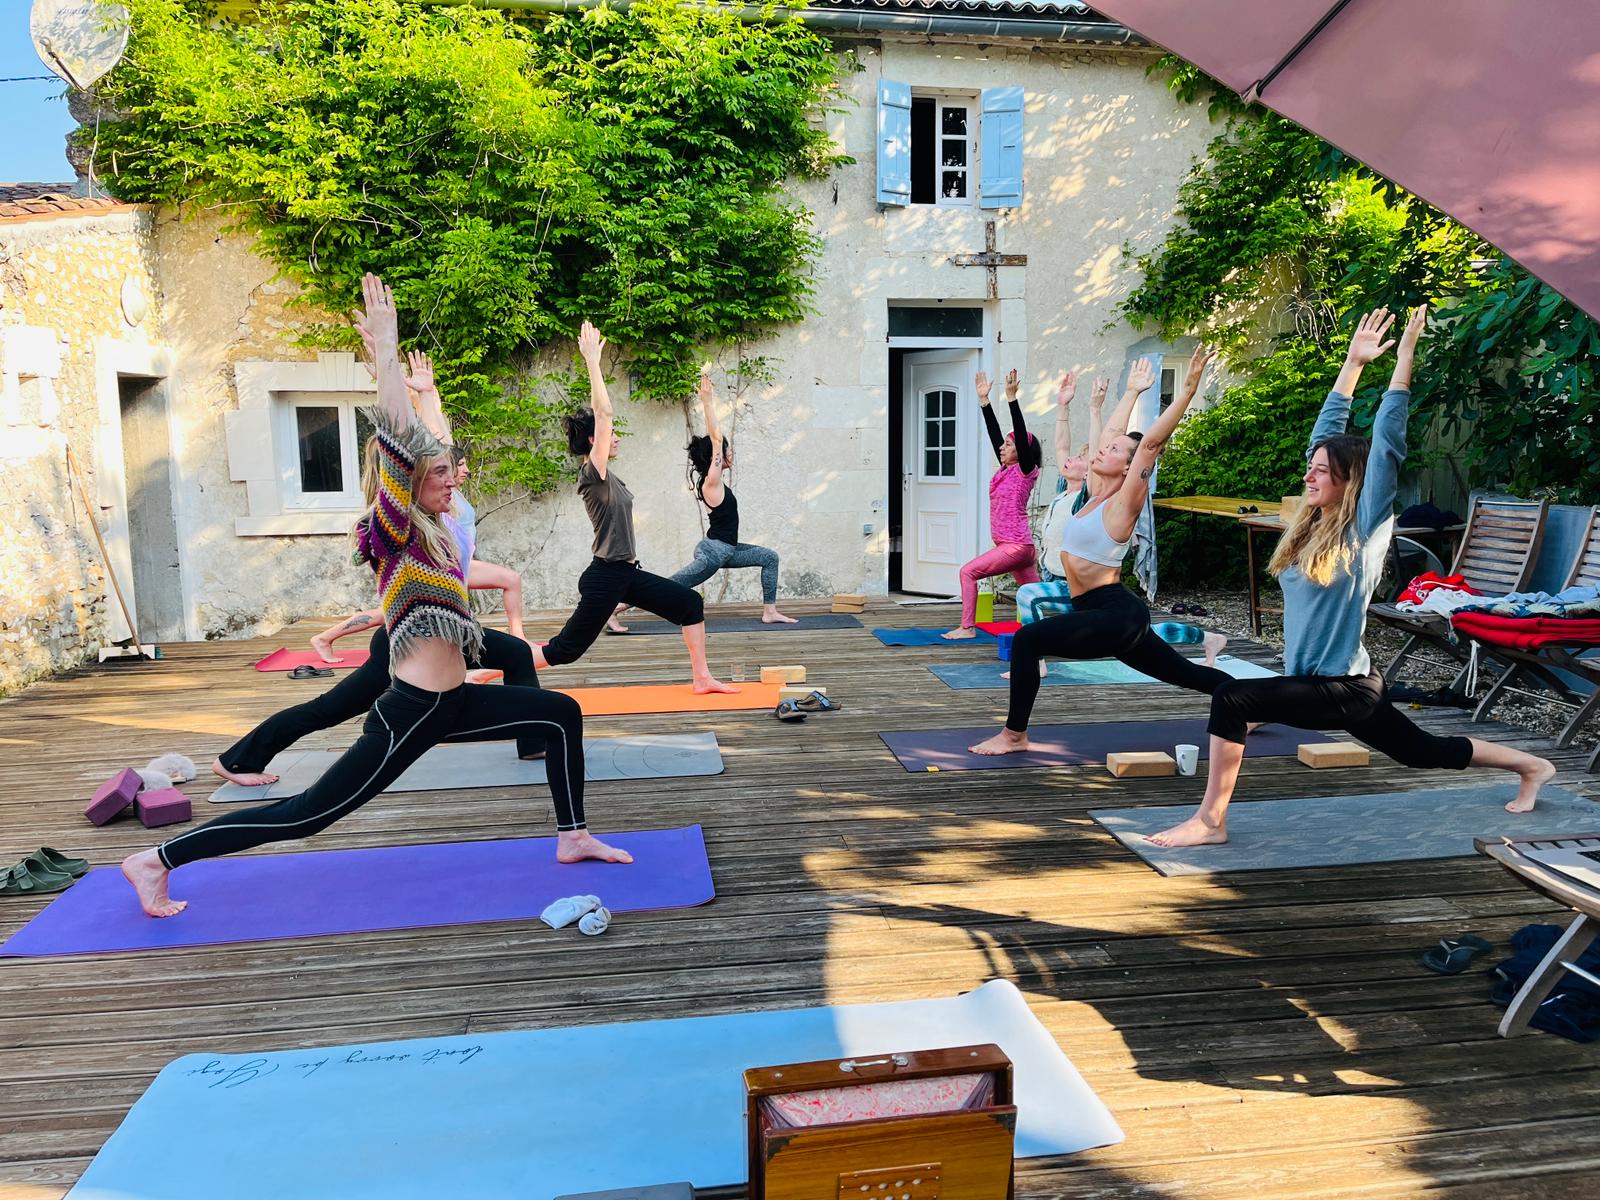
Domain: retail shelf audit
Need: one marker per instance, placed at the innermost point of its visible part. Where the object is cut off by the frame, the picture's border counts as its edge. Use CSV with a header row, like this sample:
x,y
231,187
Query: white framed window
x,y
1171,381
944,150
937,436
320,441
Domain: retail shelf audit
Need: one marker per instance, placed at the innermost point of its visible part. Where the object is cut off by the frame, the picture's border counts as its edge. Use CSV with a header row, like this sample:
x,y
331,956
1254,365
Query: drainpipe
x,y
858,21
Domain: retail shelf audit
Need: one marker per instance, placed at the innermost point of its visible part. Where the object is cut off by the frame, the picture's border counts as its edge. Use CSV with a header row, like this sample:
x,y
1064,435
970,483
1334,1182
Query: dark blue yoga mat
x,y
1075,745
650,625
929,637
1079,672
262,897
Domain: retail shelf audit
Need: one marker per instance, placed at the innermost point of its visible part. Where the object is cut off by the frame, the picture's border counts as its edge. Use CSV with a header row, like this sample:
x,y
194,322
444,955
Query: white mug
x,y
1188,757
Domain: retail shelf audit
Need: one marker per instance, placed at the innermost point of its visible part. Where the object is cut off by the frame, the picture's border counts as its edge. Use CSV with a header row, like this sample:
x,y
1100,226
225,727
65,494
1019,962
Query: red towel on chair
x,y
1527,633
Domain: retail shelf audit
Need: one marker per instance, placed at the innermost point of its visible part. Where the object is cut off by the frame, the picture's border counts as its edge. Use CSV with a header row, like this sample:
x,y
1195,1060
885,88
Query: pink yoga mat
x,y
283,659
264,897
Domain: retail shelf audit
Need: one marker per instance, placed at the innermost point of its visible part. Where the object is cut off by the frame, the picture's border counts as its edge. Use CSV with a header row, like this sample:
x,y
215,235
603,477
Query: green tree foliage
x,y
510,178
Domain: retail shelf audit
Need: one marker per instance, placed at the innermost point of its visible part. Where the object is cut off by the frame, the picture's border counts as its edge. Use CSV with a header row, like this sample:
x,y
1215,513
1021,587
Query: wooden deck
x,y
1258,1034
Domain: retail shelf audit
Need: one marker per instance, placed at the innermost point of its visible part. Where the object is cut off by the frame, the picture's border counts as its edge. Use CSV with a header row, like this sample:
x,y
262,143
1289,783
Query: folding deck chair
x,y
1527,860
1539,666
1497,556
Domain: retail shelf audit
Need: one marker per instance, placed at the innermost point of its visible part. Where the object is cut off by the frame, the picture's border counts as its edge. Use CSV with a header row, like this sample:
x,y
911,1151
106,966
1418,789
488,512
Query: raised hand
x,y
1141,375
1202,358
980,383
706,393
590,344
1067,390
378,322
1367,342
1414,329
419,372
1097,396
1011,384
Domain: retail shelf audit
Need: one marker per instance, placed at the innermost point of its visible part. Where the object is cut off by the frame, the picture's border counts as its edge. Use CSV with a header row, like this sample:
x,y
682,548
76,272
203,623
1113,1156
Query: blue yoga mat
x,y
1073,673
929,637
260,897
530,1115
1330,831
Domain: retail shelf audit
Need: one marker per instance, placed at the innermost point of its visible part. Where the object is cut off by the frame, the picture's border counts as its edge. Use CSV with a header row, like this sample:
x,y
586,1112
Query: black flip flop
x,y
816,702
307,671
789,710
1453,955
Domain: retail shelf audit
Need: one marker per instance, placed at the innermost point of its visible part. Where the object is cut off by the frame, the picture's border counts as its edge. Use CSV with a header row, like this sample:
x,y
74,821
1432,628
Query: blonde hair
x,y
1319,541
437,542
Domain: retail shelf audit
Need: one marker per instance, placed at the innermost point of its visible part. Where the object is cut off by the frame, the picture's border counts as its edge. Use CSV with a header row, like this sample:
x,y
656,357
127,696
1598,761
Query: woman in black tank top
x,y
721,549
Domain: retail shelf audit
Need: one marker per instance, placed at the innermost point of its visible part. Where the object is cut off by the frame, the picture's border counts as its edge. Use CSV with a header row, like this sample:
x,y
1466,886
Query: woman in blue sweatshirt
x,y
1328,564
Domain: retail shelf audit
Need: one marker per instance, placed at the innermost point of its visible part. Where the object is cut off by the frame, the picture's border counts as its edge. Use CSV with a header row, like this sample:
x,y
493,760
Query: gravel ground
x,y
1230,614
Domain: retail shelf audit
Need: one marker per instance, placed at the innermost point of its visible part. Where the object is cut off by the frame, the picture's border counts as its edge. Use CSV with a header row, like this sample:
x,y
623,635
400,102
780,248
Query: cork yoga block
x,y
1334,754
797,693
783,674
1140,764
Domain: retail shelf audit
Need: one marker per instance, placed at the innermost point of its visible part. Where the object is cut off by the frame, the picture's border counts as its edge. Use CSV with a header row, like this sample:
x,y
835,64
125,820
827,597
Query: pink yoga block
x,y
164,807
114,795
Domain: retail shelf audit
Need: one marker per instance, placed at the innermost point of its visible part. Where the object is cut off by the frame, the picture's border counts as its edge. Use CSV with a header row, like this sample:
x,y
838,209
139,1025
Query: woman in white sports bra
x,y
1106,618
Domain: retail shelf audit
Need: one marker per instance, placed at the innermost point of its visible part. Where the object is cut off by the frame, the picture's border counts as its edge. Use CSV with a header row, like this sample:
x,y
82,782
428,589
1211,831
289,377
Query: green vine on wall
x,y
509,177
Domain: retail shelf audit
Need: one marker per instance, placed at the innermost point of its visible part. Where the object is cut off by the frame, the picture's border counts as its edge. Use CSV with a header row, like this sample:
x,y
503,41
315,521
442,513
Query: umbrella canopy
x,y
1487,109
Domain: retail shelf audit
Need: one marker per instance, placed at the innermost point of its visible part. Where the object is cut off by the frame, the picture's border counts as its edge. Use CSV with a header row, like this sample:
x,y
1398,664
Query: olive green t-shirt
x,y
610,507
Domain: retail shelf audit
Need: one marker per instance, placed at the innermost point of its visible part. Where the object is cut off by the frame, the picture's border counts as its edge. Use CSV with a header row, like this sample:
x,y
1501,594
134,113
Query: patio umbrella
x,y
1487,109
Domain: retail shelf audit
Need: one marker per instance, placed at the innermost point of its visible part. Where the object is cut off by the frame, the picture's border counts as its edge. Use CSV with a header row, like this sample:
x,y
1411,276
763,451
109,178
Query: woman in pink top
x,y
1009,490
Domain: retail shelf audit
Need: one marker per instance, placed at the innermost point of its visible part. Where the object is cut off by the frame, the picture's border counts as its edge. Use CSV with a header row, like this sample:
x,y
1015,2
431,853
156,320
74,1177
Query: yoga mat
x,y
262,897
532,1114
1075,745
670,698
930,637
1071,673
283,659
457,766
744,624
1331,831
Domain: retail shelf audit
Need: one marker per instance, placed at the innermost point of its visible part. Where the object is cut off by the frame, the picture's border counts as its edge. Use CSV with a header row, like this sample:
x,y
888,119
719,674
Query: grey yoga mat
x,y
1074,745
459,765
1329,831
652,625
1072,672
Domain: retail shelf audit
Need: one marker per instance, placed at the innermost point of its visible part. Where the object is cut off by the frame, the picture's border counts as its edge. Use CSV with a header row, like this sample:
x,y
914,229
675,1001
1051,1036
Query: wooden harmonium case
x,y
924,1125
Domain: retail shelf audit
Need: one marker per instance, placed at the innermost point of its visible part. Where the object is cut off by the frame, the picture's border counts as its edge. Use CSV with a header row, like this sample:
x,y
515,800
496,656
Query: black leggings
x,y
356,693
1355,703
602,586
403,725
1105,622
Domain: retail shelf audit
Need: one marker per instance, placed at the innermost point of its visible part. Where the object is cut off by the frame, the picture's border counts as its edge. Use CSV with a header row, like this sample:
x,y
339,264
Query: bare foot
x,y
482,675
1533,779
708,684
771,616
1196,831
534,757
960,634
242,778
615,625
1044,672
575,845
1007,741
1213,643
149,879
324,649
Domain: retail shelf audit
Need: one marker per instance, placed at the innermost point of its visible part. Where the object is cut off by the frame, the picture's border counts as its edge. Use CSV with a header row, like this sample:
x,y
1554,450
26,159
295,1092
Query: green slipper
x,y
26,880
57,861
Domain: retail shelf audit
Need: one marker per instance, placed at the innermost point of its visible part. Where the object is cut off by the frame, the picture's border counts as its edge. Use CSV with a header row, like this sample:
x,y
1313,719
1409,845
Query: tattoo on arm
x,y
1147,472
359,621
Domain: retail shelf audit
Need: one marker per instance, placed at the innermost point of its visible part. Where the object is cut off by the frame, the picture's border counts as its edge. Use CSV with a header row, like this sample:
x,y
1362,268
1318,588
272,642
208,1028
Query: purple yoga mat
x,y
262,897
1075,745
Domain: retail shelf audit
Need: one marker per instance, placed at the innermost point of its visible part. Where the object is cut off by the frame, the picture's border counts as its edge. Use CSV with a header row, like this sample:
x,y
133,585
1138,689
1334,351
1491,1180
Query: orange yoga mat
x,y
670,698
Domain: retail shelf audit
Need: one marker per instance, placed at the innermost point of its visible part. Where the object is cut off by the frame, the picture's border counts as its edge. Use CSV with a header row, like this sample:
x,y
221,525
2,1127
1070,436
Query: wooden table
x,y
1224,506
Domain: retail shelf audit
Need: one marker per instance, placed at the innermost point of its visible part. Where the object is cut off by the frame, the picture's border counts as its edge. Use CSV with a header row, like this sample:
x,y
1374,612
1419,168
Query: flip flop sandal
x,y
1453,955
789,710
816,702
307,671
1181,610
24,880
57,861
1198,610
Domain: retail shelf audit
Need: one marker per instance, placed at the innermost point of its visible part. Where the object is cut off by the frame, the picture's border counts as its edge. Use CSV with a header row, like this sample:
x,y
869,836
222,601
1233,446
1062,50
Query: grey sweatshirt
x,y
1324,627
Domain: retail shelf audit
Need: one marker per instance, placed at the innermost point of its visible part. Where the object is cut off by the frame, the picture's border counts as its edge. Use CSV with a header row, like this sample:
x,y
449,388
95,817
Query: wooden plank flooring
x,y
1259,1034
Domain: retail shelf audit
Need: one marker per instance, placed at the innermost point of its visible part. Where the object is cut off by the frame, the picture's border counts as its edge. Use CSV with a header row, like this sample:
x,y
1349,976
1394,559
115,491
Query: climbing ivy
x,y
509,177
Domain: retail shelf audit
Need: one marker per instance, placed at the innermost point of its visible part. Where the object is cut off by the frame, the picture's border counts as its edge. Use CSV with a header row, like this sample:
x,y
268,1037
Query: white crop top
x,y
1086,538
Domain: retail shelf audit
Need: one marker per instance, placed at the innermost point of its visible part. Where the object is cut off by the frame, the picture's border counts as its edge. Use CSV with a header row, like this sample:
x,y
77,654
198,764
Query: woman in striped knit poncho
x,y
431,634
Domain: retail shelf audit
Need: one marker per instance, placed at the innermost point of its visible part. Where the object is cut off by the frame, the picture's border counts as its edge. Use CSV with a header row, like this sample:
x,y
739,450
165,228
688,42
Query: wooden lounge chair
x,y
1497,556
1540,666
1522,858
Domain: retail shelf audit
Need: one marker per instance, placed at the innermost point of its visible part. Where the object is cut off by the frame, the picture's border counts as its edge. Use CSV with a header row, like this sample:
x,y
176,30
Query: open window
x,y
949,150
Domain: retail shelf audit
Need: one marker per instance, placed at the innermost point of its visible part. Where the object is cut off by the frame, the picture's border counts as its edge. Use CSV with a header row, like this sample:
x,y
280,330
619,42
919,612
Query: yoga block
x,y
849,602
1334,754
112,796
652,1191
1005,646
798,693
167,806
850,598
783,674
855,609
1141,764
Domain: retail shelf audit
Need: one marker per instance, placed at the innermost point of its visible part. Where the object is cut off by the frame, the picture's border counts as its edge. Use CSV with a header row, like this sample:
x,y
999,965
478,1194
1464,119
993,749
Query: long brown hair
x,y
1318,542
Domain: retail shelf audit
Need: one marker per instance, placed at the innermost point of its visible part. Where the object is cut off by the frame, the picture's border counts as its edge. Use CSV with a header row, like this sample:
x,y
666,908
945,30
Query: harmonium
x,y
924,1125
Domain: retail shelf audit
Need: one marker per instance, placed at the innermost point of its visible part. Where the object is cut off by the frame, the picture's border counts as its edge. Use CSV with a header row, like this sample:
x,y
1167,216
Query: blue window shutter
x,y
894,142
1000,148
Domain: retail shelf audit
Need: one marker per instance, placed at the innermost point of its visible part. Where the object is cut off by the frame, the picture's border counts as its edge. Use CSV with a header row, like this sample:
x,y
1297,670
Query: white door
x,y
942,427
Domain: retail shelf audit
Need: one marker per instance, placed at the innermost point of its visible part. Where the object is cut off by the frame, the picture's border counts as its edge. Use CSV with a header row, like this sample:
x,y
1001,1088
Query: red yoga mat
x,y
283,659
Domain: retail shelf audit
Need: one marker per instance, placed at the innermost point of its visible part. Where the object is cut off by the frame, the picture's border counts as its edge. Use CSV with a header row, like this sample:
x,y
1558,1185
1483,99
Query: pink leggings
x,y
1015,557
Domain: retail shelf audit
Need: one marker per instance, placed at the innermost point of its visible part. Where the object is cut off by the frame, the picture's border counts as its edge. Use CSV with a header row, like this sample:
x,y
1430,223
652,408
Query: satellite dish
x,y
80,40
